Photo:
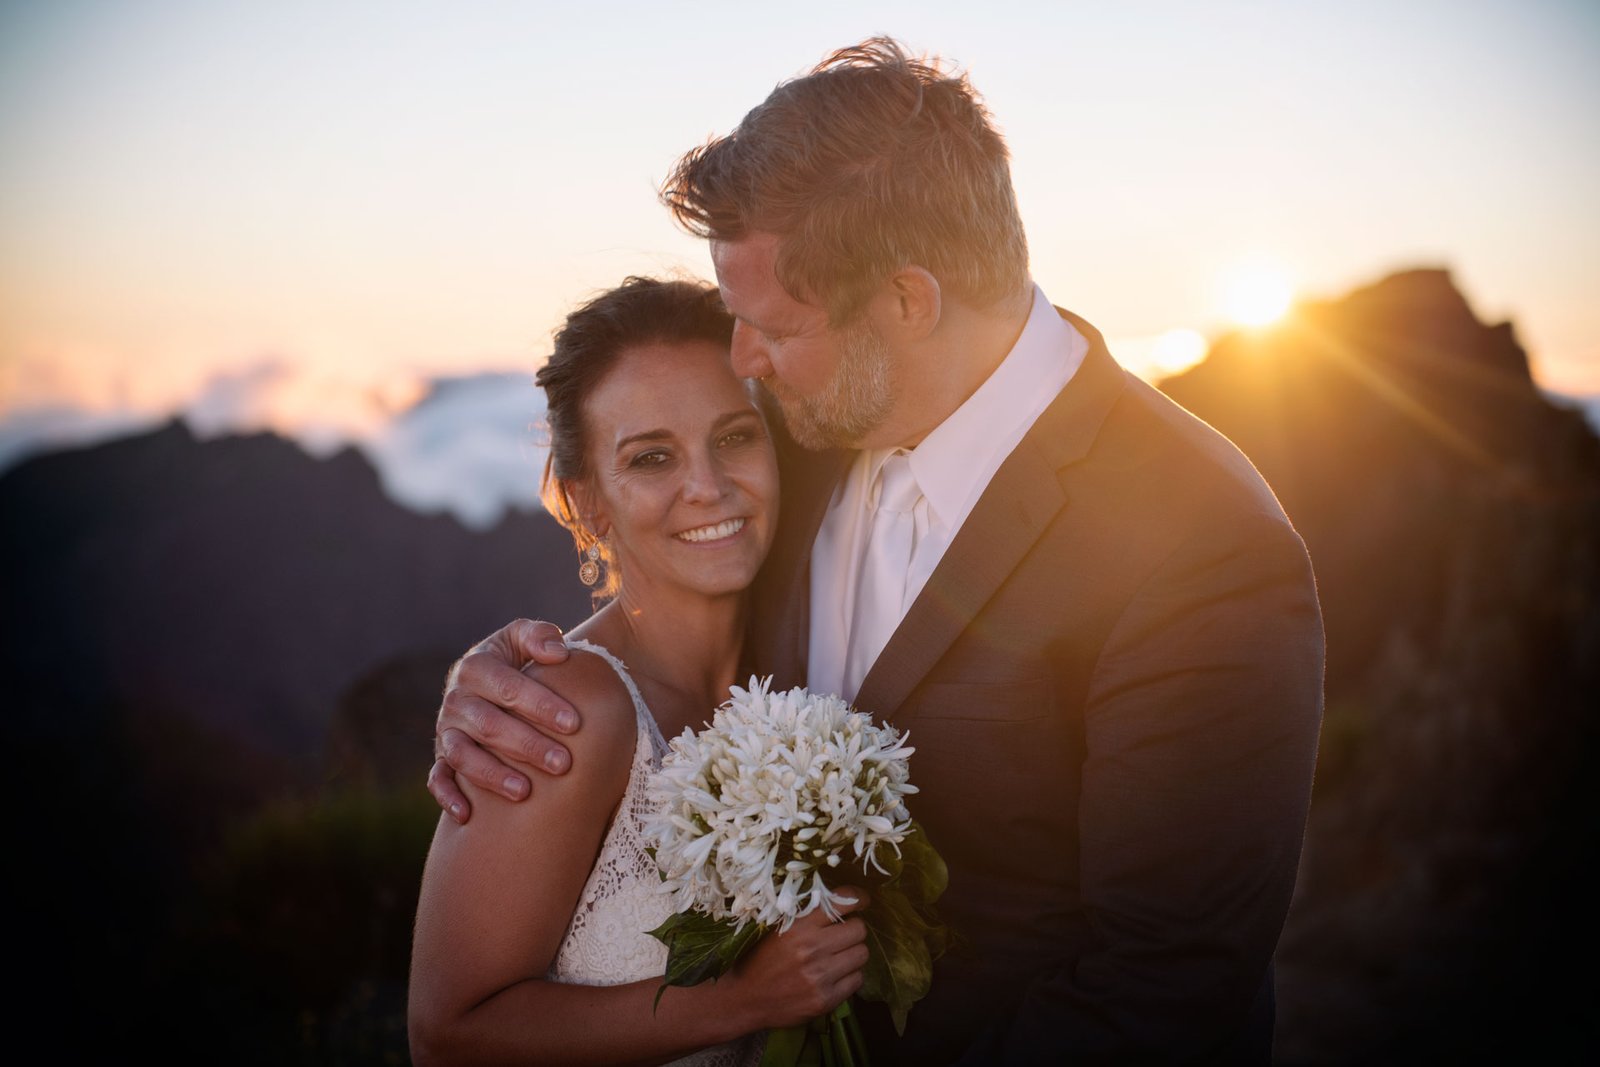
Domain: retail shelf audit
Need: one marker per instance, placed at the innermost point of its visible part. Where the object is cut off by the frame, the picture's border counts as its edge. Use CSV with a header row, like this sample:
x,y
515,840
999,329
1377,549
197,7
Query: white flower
x,y
782,794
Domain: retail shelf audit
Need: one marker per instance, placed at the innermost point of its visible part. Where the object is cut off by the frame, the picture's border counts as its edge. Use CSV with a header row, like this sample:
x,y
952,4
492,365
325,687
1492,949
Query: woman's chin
x,y
721,580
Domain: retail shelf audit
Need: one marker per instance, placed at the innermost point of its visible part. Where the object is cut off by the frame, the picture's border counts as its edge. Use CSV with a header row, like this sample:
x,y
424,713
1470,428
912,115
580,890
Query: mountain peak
x,y
1418,290
1420,318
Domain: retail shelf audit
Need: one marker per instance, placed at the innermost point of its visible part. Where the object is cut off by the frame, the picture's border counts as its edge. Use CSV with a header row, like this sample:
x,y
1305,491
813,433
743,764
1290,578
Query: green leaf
x,y
901,944
700,947
923,874
904,934
675,922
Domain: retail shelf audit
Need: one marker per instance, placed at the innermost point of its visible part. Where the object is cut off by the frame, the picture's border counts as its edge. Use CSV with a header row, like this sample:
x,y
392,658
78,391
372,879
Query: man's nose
x,y
749,353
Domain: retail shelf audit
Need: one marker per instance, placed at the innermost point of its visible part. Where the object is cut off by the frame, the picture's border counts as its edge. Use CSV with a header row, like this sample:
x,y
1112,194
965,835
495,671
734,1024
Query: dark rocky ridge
x,y
242,582
1453,518
179,625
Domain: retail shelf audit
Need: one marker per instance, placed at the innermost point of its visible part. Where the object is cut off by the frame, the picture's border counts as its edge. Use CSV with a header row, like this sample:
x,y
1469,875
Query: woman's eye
x,y
652,458
737,437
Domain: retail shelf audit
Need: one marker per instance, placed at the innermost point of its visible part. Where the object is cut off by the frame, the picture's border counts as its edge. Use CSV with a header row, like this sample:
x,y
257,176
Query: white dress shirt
x,y
953,465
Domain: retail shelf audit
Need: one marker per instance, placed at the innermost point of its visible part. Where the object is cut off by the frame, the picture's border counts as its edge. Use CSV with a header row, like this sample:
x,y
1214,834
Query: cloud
x,y
321,408
473,446
1589,405
470,446
463,445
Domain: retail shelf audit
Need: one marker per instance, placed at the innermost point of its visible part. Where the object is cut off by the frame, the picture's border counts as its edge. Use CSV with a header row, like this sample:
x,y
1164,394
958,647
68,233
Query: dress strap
x,y
640,711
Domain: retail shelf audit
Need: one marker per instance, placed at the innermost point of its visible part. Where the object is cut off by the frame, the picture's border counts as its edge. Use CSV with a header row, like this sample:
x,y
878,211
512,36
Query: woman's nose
x,y
706,481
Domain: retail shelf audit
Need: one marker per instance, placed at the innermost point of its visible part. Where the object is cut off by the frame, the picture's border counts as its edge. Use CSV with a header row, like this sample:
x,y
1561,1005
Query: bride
x,y
530,941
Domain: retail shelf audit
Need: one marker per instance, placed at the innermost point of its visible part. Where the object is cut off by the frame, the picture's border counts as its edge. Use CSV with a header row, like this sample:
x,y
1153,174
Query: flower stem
x,y
858,1041
844,1055
820,1027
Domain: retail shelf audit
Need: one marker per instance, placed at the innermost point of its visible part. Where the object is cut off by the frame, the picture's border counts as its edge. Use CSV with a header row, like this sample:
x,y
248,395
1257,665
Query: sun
x,y
1177,350
1257,295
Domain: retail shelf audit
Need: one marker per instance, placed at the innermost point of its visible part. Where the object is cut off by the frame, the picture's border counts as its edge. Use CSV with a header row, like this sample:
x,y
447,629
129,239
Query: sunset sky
x,y
347,196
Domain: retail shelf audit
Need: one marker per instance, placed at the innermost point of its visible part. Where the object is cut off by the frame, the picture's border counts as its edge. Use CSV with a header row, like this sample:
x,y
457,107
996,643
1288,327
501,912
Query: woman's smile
x,y
720,531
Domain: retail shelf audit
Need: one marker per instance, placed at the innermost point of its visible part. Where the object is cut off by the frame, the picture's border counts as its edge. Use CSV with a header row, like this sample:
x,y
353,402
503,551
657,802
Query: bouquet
x,y
783,796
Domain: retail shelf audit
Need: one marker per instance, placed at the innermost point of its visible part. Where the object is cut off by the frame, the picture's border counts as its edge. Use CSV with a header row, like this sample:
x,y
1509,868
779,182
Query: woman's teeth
x,y
712,533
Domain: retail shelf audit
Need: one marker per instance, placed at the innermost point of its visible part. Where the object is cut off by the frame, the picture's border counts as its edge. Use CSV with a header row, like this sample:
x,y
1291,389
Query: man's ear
x,y
914,301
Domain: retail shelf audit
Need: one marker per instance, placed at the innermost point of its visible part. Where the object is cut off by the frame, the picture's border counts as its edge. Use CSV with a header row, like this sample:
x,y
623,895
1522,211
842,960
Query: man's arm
x,y
492,712
496,902
1201,730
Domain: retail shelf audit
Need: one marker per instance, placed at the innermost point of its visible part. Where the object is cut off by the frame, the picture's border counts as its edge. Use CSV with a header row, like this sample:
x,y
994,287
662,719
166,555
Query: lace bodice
x,y
606,942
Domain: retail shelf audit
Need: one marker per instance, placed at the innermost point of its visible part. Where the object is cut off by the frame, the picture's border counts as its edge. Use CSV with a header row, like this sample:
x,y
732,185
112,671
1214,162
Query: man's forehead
x,y
746,264
747,275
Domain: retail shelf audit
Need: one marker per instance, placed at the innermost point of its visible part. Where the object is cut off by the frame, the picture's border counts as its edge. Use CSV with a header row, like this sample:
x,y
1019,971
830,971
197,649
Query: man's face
x,y
834,385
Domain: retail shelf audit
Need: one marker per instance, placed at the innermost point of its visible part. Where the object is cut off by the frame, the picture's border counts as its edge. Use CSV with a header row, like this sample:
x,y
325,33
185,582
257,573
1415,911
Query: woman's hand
x,y
788,979
491,710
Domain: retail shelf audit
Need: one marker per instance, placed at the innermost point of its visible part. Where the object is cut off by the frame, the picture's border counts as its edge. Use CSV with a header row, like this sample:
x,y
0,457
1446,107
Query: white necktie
x,y
881,583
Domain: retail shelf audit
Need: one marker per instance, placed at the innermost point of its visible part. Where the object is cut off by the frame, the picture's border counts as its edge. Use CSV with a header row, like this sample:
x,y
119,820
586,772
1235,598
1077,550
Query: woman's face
x,y
683,479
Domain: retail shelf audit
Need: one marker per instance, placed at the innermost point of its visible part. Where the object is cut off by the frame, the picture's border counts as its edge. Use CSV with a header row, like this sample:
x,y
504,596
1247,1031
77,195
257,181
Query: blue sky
x,y
369,192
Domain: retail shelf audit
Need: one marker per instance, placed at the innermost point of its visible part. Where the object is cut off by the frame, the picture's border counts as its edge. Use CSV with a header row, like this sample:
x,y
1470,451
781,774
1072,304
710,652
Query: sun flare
x,y
1257,295
1177,350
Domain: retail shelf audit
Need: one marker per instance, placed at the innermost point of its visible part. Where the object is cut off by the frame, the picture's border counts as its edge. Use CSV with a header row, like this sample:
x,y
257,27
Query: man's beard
x,y
854,403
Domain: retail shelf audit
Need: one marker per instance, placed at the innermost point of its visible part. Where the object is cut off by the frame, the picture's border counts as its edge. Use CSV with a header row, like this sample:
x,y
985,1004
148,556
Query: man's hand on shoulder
x,y
492,711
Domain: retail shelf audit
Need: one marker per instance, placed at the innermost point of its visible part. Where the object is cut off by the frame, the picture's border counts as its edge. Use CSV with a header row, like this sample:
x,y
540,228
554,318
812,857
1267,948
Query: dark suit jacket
x,y
1113,682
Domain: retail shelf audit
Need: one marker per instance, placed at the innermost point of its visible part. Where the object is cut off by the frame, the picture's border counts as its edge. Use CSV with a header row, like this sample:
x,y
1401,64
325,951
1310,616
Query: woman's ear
x,y
587,509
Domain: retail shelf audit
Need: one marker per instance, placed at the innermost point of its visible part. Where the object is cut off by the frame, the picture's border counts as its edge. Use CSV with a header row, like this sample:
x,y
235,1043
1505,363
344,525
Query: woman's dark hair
x,y
640,311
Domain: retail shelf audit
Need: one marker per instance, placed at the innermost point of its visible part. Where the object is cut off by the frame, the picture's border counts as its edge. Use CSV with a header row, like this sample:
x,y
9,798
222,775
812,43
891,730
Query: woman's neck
x,y
683,651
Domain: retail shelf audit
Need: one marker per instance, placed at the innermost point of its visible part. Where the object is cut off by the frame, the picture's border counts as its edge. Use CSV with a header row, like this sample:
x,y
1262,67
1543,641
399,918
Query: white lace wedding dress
x,y
606,942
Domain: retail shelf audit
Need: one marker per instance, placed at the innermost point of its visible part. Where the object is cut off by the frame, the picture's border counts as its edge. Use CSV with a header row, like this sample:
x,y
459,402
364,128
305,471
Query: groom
x,y
1084,604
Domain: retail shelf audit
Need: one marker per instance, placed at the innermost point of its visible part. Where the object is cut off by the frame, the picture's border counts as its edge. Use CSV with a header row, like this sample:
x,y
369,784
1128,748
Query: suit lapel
x,y
1020,502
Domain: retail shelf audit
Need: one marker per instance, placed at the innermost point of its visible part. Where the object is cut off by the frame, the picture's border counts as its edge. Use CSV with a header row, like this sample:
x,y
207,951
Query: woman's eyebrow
x,y
733,416
644,435
718,423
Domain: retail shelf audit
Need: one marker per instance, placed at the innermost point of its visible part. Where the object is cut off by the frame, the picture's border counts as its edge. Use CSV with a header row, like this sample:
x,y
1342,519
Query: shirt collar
x,y
950,462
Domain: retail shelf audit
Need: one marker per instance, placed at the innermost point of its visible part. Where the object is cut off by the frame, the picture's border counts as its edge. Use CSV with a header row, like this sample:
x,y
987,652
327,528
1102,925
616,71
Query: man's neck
x,y
949,366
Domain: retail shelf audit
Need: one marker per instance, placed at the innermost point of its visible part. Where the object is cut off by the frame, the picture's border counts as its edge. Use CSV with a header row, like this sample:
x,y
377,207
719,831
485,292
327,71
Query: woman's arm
x,y
498,894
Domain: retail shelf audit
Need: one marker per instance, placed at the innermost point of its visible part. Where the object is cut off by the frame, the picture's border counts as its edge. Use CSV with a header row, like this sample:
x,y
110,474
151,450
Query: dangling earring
x,y
589,569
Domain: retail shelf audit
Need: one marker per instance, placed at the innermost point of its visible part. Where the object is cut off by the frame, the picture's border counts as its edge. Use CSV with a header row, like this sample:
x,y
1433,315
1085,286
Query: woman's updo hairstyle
x,y
640,311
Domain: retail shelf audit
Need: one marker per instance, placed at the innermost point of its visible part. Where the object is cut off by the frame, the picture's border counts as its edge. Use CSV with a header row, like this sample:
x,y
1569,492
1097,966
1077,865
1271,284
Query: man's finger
x,y
534,642
819,917
849,985
442,784
846,962
506,737
480,768
860,899
487,678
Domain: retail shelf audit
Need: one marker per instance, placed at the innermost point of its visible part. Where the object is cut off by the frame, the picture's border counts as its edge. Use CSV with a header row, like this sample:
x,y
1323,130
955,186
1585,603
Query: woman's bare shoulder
x,y
608,723
601,749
